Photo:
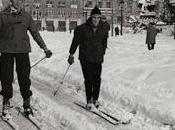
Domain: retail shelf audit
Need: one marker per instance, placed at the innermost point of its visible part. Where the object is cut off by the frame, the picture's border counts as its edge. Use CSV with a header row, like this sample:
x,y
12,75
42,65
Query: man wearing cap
x,y
91,37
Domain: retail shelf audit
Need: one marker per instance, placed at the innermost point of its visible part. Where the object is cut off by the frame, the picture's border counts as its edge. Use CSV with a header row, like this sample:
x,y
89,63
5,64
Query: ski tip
x,y
127,122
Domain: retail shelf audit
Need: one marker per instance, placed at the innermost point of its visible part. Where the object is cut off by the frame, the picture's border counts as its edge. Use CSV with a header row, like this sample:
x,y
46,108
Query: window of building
x,y
34,13
61,3
108,4
49,4
37,13
73,1
89,4
100,4
49,12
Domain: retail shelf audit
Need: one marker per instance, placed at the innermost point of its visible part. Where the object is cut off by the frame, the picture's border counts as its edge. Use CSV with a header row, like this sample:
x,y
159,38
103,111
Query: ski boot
x,y
27,108
96,103
28,111
89,105
6,110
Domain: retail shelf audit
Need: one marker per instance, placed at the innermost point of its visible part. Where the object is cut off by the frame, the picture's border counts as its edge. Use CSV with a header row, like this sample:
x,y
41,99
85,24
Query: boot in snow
x,y
89,105
6,109
27,108
96,103
28,111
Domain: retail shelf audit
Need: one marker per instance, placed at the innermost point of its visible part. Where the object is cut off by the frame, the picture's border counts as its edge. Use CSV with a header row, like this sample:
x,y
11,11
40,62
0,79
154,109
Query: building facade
x,y
55,15
65,15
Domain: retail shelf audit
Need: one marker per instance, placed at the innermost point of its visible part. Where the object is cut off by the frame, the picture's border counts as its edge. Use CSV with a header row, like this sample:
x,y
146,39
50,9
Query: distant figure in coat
x,y
91,37
151,35
116,31
104,20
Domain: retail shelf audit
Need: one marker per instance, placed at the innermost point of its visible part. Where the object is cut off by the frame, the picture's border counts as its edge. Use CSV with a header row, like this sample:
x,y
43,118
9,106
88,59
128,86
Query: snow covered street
x,y
132,79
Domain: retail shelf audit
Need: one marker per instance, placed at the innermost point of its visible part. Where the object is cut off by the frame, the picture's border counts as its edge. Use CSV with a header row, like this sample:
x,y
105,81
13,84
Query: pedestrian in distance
x,y
151,35
105,22
91,37
116,31
15,46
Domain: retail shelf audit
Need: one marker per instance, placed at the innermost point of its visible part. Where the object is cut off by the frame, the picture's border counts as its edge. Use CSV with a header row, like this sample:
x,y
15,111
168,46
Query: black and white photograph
x,y
87,64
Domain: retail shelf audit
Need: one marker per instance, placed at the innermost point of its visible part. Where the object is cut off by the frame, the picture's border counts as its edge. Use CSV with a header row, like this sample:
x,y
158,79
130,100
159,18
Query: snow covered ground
x,y
132,79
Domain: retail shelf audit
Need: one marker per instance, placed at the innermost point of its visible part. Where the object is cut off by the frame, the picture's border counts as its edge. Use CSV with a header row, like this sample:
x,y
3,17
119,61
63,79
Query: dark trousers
x,y
0,68
23,73
92,76
150,46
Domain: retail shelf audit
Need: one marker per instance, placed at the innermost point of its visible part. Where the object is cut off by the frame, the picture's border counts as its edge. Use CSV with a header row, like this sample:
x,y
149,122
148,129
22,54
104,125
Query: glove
x,y
71,59
48,53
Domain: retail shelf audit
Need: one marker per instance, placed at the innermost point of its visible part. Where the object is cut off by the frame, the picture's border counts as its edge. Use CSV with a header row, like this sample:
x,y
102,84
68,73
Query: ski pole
x,y
38,62
61,82
34,65
65,75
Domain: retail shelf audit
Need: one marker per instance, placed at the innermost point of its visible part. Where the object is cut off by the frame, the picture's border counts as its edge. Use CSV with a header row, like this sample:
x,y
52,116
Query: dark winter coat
x,y
117,30
92,45
151,34
13,32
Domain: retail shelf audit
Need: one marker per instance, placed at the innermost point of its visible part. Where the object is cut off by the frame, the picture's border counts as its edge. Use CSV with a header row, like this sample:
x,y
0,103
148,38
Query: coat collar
x,y
89,23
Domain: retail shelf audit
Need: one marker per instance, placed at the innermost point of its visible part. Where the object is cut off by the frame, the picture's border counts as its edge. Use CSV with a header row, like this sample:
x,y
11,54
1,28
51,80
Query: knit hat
x,y
95,10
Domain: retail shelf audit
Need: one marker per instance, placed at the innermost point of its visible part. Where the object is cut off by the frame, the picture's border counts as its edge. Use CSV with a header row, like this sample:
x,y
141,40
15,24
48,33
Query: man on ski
x,y
15,46
91,37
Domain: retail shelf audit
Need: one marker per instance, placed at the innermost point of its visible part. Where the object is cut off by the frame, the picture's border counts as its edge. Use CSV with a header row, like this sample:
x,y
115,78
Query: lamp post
x,y
112,20
121,6
84,12
37,14
86,15
174,30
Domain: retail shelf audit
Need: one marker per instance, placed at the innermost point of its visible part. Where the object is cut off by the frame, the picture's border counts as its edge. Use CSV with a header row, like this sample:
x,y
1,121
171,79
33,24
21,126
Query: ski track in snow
x,y
132,79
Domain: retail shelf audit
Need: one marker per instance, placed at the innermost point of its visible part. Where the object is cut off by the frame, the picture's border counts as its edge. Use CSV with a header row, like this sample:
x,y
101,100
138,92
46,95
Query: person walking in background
x,y
151,35
116,31
105,24
15,46
104,20
91,37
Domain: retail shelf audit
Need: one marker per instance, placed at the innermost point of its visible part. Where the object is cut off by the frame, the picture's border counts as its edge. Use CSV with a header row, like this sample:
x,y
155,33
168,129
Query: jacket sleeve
x,y
105,40
1,26
35,33
75,42
0,21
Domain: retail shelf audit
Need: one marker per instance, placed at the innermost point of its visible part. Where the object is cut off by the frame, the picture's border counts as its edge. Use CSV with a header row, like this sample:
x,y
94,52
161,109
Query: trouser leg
x,y
0,67
153,46
23,74
7,64
96,80
149,46
87,73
